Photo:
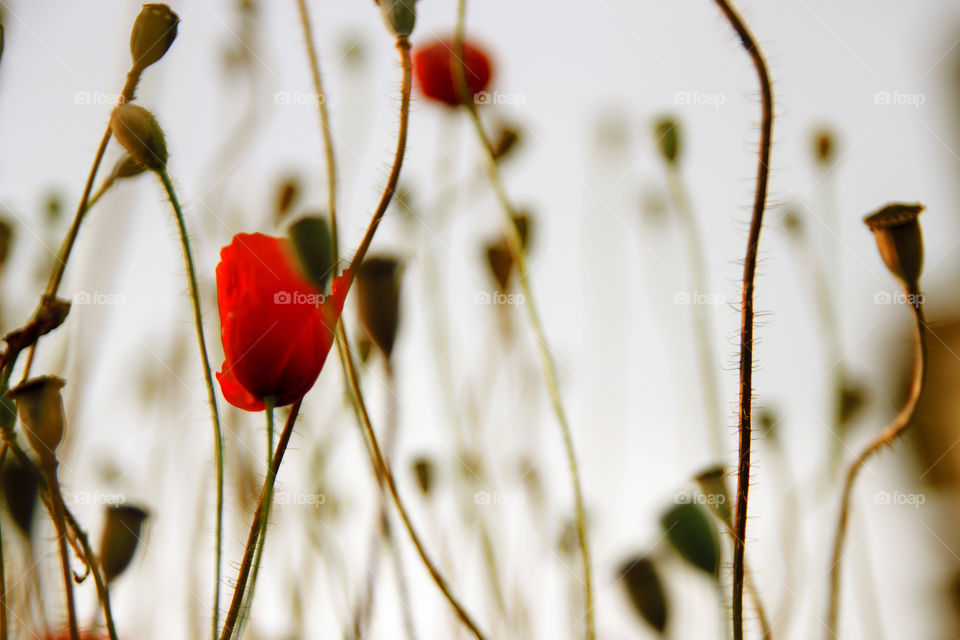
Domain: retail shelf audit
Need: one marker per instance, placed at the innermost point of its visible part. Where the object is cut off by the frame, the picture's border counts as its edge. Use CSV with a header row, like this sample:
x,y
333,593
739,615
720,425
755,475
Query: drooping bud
x,y
667,131
689,530
645,590
312,243
897,232
154,31
138,131
400,16
378,300
121,535
21,484
40,406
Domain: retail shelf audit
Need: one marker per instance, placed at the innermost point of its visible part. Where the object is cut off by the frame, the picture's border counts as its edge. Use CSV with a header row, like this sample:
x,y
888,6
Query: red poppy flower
x,y
276,327
434,66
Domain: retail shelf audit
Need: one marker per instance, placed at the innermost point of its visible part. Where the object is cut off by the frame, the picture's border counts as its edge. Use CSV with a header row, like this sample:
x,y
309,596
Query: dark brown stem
x,y
746,317
896,426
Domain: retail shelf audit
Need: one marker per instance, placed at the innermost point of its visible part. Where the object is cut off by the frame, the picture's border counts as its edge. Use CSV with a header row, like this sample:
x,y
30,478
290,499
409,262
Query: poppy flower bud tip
x,y
153,33
140,134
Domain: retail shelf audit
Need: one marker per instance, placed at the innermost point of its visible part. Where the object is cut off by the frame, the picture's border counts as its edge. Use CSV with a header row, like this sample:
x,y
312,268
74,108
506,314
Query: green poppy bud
x,y
138,131
312,243
689,530
400,16
667,131
378,300
643,585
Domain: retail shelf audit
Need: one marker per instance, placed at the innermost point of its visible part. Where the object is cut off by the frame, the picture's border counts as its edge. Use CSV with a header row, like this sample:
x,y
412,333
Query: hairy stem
x,y
56,500
896,426
208,379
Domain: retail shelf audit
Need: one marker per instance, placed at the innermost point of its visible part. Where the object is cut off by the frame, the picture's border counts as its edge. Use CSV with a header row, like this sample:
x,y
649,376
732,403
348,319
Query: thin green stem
x,y
208,378
747,311
546,357
896,427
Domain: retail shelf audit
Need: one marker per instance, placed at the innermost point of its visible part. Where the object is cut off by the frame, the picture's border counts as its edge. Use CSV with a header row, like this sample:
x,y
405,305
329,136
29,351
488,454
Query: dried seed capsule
x,y
897,232
40,406
154,31
140,134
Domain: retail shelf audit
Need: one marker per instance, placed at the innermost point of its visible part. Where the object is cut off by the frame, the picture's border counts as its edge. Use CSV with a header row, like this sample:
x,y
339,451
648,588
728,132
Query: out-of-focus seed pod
x,y
897,232
667,131
6,241
312,243
768,419
288,193
507,139
423,471
378,300
140,134
127,167
1,41
153,32
21,485
852,398
823,146
400,16
645,590
713,485
40,406
120,538
793,222
500,259
688,529
52,207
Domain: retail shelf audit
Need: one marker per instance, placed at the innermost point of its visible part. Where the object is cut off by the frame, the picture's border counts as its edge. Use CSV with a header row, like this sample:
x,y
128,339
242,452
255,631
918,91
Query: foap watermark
x,y
297,98
299,499
499,298
97,498
702,98
899,98
897,498
699,297
700,499
298,298
98,298
97,98
511,99
497,497
898,297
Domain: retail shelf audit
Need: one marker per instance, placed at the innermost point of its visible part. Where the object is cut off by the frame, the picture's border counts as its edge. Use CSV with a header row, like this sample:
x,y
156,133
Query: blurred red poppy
x,y
434,66
276,327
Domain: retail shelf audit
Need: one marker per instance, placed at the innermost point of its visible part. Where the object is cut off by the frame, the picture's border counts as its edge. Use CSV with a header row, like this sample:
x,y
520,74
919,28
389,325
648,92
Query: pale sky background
x,y
604,273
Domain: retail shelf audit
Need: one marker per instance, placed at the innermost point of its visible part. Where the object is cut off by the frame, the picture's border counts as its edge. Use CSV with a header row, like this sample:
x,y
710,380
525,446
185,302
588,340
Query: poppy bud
x,y
500,262
378,300
140,134
823,146
667,131
40,406
127,167
20,488
399,15
690,532
897,232
506,141
312,244
6,240
423,470
154,31
713,485
288,192
851,397
642,581
121,535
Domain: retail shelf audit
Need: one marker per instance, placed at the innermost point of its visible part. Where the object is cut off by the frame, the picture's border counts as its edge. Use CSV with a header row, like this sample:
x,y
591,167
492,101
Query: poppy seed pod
x,y
667,131
649,600
138,131
120,538
897,232
312,245
400,16
40,406
378,300
153,32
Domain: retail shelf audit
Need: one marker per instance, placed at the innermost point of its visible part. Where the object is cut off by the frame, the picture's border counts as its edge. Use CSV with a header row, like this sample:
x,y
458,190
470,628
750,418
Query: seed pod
x,y
898,237
40,406
823,146
852,396
713,485
378,300
312,243
288,192
506,141
400,16
153,32
138,131
643,585
20,488
690,532
667,131
120,538
423,470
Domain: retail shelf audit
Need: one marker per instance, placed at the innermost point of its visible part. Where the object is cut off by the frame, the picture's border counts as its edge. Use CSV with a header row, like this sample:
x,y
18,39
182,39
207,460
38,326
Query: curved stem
x,y
746,317
324,126
896,426
208,379
549,366
56,500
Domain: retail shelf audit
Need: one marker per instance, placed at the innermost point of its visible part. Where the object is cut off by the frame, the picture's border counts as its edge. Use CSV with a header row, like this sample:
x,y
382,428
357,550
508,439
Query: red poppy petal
x,y
235,393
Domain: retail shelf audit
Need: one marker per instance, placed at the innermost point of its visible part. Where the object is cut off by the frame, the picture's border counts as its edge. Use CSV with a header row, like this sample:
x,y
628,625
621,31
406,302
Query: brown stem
x,y
896,426
746,317
50,471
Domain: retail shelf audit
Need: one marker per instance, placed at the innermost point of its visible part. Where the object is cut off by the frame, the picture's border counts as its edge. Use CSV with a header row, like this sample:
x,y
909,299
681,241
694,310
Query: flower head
x,y
277,328
437,75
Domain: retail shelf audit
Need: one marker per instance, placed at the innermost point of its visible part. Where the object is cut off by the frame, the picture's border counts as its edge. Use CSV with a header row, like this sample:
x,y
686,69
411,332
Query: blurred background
x,y
867,104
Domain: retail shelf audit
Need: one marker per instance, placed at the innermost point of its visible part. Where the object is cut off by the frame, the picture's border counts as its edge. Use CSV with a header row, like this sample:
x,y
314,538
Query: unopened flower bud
x,y
153,32
507,139
378,300
423,470
667,131
288,192
691,533
897,232
121,535
312,243
140,134
400,16
645,590
21,485
823,146
40,406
